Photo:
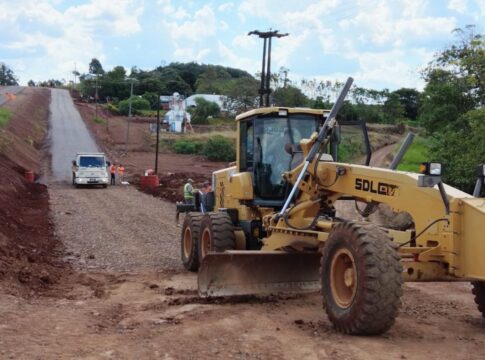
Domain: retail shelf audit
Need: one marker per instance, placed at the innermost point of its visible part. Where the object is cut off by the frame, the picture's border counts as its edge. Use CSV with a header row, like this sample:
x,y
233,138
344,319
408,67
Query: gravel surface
x,y
118,228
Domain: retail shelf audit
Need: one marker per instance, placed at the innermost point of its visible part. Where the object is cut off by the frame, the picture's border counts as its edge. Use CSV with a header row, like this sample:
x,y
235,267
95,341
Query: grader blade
x,y
258,272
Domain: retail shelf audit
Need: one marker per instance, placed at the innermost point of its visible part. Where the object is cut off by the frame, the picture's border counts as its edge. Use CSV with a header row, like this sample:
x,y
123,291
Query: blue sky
x,y
382,44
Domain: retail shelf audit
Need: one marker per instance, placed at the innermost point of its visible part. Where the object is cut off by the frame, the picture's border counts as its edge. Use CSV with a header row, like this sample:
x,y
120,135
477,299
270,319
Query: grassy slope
x,y
416,154
5,115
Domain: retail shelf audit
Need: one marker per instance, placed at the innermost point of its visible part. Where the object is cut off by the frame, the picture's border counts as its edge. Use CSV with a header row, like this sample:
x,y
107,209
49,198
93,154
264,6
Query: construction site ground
x,y
95,274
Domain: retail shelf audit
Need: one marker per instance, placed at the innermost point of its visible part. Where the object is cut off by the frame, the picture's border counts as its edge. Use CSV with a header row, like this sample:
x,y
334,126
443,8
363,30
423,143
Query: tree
x,y
31,83
393,109
203,110
461,150
410,99
95,67
7,76
466,60
152,98
242,94
445,98
212,80
290,96
453,108
455,81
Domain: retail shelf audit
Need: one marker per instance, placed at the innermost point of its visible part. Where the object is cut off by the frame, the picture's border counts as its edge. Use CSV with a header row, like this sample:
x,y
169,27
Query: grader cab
x,y
274,226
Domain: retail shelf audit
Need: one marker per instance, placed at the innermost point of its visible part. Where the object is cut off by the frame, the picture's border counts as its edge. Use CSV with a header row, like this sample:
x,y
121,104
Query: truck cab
x,y
90,169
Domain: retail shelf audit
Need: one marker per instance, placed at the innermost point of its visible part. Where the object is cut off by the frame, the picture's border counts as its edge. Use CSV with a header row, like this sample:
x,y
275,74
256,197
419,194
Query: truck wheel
x,y
361,279
479,291
190,241
217,234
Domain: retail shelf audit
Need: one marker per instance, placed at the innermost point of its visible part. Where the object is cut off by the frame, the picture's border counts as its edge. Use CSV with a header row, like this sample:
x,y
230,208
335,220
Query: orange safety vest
x,y
113,169
121,170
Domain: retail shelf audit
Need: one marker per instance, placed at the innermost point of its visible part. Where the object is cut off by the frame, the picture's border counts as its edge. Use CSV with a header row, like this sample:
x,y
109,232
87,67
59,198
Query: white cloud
x,y
190,54
236,59
202,25
225,7
63,38
384,25
245,42
175,13
481,6
459,6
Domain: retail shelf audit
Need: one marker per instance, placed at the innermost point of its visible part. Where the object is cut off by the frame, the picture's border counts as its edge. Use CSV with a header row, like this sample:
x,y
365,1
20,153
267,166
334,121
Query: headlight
x,y
430,168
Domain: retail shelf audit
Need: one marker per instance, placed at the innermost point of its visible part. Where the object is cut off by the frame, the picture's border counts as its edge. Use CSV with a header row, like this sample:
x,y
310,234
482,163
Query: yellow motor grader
x,y
272,225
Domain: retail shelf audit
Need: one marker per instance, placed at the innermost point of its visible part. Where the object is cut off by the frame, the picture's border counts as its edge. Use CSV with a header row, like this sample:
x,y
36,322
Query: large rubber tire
x,y
361,279
217,234
190,240
479,291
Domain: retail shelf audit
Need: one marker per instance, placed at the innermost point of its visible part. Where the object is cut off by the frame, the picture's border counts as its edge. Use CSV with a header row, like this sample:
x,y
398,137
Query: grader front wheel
x,y
361,279
190,240
217,234
479,291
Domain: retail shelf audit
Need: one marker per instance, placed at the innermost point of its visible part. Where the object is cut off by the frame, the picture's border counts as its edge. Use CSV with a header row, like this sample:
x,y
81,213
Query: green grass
x,y
98,120
222,121
5,115
416,154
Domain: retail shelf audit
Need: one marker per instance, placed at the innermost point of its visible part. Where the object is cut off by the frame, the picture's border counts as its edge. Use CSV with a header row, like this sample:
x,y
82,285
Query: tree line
x,y
450,108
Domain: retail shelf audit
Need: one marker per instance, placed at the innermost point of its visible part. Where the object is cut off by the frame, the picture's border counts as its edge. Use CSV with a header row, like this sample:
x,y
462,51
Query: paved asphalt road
x,y
8,89
68,134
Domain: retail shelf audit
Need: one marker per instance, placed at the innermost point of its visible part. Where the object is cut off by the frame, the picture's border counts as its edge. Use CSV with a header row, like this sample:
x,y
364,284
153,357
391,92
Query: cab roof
x,y
90,153
276,109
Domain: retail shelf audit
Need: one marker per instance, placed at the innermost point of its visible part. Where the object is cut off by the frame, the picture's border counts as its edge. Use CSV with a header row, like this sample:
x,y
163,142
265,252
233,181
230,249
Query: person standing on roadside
x,y
121,172
188,192
112,170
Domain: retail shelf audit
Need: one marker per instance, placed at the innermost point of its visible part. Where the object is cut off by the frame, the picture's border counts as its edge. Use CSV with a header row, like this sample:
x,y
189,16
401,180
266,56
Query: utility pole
x,y
129,114
158,135
265,90
96,97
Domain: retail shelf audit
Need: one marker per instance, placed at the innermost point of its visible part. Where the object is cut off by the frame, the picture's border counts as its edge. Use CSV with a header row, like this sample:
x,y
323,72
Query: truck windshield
x,y
91,161
271,134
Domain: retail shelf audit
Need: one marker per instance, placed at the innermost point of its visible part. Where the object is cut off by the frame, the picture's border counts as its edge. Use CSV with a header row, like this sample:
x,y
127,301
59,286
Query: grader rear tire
x,y
361,279
217,234
190,240
479,291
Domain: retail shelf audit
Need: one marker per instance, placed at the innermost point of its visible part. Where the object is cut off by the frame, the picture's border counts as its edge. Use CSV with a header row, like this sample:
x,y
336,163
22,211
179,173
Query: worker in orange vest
x,y
121,172
112,170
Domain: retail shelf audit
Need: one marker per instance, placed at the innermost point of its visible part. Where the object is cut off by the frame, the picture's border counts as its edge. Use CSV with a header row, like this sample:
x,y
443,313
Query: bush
x,y
152,98
203,110
187,147
219,148
137,104
98,120
4,116
113,109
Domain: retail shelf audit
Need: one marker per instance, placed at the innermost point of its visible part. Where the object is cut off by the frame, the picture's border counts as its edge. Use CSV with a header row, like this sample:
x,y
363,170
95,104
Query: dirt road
x,y
68,134
125,297
379,156
115,229
128,299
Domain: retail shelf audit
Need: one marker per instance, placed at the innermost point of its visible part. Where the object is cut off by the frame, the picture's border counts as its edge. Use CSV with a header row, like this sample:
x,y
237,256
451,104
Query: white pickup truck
x,y
90,169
